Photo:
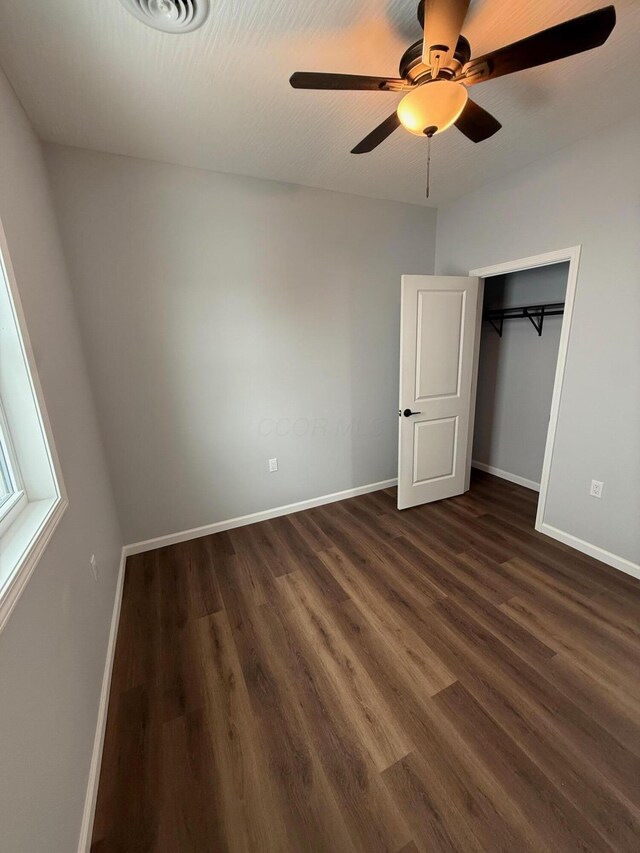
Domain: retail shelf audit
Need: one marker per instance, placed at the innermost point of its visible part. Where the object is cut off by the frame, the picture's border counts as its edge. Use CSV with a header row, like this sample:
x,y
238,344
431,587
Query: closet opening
x,y
523,341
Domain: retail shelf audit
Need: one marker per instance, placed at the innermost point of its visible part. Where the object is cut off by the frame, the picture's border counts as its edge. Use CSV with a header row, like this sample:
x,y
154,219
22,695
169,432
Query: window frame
x,y
27,524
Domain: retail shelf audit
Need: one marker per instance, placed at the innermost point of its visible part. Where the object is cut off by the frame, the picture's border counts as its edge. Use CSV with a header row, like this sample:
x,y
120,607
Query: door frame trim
x,y
572,255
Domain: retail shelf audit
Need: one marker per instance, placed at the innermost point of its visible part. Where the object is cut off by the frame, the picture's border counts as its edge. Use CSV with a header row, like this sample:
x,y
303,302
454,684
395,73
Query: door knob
x,y
407,413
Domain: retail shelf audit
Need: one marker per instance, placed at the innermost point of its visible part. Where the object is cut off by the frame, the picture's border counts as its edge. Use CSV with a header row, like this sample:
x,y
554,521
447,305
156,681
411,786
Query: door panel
x,y
440,315
434,445
437,363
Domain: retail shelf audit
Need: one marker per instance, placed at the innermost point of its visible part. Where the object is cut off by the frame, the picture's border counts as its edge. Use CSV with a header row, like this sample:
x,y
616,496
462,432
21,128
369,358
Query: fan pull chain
x,y
429,135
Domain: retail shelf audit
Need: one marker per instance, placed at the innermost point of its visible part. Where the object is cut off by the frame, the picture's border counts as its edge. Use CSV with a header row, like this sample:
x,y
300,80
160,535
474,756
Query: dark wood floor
x,y
354,678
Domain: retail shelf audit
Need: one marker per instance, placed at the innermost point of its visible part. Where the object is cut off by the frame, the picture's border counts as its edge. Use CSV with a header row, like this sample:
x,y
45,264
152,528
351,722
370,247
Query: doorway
x,y
522,349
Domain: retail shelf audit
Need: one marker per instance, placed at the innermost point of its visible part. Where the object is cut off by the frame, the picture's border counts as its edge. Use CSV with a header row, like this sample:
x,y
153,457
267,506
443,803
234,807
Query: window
x,y
32,497
12,496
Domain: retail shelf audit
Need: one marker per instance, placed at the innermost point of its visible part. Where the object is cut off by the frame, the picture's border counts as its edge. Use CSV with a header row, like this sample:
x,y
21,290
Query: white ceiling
x,y
89,74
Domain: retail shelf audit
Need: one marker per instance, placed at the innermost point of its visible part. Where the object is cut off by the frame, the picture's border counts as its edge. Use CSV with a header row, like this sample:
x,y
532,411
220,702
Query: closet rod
x,y
535,313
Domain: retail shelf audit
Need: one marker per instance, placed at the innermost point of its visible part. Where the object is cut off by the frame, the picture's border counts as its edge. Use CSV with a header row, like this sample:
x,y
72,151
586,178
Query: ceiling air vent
x,y
170,16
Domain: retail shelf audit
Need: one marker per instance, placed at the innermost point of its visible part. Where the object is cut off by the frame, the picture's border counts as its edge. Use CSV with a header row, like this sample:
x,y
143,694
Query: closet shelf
x,y
535,313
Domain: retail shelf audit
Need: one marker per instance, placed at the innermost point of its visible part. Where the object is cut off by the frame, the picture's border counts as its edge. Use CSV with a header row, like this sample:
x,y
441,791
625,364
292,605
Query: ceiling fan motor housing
x,y
413,69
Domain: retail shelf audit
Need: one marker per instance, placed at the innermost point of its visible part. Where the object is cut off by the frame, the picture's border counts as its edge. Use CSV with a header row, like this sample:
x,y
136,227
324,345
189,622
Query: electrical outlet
x,y
94,567
273,465
596,488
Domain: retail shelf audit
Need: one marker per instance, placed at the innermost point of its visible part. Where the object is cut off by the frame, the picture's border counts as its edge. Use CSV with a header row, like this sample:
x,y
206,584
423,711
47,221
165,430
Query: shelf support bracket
x,y
497,328
536,325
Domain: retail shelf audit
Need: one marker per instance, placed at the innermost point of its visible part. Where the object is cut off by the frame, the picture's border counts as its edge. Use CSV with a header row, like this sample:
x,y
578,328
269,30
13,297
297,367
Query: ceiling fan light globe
x,y
434,104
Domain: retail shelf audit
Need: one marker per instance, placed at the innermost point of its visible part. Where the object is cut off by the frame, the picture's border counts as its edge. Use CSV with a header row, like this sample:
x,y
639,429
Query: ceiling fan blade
x,y
378,135
567,39
476,123
443,20
320,80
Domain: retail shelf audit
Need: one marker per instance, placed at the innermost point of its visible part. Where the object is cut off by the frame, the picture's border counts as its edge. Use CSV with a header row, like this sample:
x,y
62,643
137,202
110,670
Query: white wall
x,y
587,194
53,647
516,373
228,320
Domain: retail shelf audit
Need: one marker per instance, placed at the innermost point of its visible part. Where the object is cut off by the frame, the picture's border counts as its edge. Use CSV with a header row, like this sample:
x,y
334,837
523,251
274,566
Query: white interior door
x,y
439,339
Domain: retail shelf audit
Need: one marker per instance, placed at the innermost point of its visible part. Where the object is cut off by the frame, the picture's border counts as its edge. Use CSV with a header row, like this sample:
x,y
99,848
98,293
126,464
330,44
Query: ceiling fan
x,y
436,71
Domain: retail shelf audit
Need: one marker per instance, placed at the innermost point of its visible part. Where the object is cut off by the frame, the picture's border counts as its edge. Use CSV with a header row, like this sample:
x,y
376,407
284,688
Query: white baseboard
x,y
96,758
241,520
594,551
505,475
